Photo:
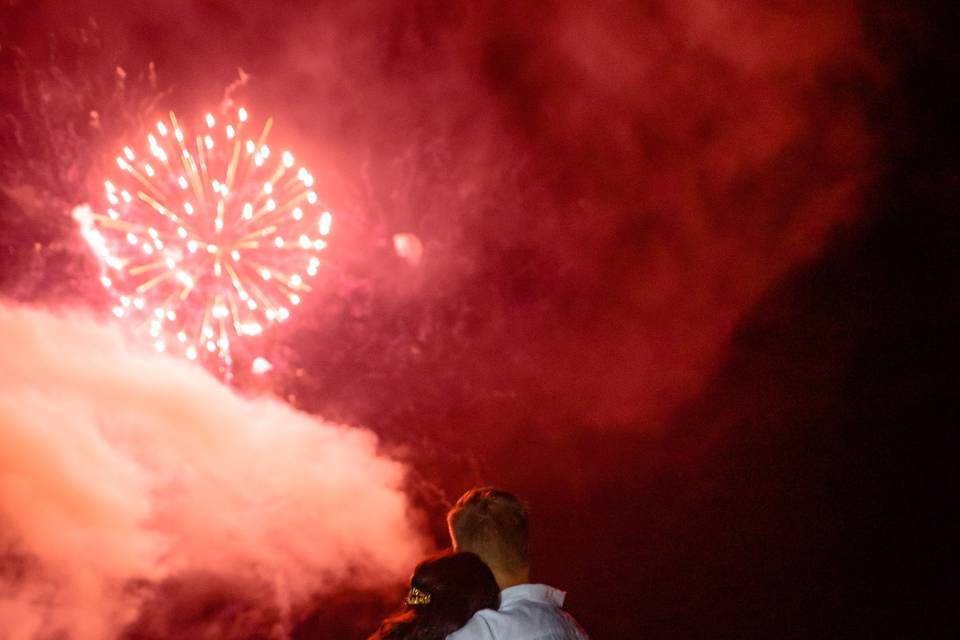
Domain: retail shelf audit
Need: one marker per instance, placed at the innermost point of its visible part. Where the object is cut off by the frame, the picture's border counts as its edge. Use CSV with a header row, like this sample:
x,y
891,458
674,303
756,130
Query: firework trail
x,y
207,237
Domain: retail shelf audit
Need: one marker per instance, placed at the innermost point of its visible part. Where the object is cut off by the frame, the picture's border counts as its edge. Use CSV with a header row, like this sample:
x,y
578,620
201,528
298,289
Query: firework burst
x,y
207,237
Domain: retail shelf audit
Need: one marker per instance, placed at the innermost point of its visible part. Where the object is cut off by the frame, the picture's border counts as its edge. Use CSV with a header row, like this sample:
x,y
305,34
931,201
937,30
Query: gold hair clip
x,y
417,597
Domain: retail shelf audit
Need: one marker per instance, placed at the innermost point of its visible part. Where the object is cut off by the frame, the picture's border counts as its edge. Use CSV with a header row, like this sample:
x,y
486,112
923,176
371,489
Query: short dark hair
x,y
492,523
450,588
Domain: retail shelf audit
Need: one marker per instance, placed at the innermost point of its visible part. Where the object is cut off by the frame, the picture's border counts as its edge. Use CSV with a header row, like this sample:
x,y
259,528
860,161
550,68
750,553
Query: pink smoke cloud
x,y
121,468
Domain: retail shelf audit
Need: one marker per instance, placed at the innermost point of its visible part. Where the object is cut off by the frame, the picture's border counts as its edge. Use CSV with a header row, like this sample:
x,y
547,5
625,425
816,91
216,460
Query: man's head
x,y
493,524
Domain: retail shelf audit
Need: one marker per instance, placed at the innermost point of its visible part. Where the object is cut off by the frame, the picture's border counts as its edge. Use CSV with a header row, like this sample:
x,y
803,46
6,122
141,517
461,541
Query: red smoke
x,y
618,183
600,192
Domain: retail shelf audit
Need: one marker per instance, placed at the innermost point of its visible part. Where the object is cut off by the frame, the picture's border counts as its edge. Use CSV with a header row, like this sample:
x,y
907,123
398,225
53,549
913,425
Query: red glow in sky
x,y
603,253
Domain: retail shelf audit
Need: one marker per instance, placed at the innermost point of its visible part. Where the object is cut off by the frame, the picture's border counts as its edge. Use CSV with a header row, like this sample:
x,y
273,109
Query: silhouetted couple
x,y
481,589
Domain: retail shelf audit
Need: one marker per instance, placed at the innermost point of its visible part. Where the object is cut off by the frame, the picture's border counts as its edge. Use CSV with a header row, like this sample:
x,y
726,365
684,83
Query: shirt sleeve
x,y
475,629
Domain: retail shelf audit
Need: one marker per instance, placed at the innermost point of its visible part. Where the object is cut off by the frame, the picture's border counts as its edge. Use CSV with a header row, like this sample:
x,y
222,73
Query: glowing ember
x,y
407,245
205,238
260,366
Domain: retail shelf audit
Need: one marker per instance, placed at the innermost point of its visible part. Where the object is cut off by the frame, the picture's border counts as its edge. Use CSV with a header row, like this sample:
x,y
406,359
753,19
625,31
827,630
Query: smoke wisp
x,y
123,470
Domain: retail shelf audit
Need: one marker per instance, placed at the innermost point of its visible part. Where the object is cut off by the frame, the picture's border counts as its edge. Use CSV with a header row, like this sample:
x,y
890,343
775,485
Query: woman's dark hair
x,y
445,591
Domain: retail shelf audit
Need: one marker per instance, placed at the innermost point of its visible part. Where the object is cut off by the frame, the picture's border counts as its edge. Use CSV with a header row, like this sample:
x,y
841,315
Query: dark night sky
x,y
688,274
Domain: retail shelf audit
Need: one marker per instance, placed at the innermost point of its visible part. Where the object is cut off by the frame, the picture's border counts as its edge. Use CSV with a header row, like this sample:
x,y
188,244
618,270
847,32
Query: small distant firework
x,y
408,247
209,237
260,366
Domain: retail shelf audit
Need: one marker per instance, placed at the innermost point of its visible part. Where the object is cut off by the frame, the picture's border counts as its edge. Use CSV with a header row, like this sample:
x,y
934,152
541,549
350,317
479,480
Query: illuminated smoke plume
x,y
127,476
601,190
204,237
602,193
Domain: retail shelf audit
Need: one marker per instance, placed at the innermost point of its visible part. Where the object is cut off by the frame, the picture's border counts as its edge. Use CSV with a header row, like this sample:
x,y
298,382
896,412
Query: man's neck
x,y
511,579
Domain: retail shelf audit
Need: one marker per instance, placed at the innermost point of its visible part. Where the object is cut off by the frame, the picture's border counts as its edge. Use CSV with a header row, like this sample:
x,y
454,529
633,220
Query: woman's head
x,y
445,591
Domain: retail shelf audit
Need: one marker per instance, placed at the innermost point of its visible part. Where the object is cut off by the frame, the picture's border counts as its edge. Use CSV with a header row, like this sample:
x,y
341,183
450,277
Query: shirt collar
x,y
536,592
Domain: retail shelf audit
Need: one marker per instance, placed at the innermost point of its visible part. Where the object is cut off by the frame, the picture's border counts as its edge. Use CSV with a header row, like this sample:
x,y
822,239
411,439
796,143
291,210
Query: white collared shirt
x,y
527,612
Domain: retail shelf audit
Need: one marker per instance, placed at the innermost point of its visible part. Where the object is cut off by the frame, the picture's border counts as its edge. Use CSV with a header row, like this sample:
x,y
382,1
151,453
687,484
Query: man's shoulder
x,y
477,628
523,619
